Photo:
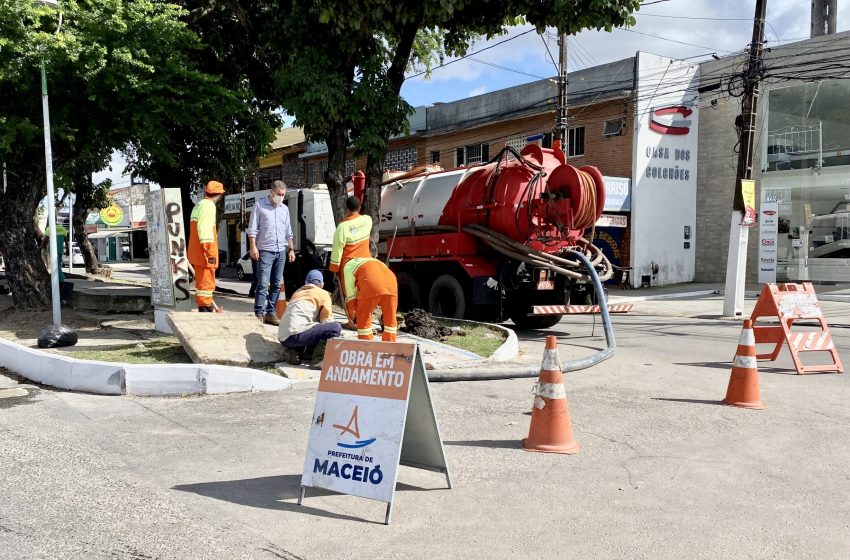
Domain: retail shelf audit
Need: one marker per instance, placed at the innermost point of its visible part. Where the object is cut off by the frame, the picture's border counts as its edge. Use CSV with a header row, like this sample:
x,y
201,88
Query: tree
x,y
338,66
120,74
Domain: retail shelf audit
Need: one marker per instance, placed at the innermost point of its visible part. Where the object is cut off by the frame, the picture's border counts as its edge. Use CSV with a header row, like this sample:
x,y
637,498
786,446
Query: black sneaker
x,y
291,357
318,355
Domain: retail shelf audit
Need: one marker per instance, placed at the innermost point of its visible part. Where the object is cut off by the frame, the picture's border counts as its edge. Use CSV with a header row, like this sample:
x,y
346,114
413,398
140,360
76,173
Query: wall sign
x,y
373,412
618,194
664,169
768,234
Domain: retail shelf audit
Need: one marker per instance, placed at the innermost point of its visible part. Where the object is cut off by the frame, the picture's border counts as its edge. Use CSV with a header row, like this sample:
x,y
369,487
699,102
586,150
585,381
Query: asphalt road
x,y
664,471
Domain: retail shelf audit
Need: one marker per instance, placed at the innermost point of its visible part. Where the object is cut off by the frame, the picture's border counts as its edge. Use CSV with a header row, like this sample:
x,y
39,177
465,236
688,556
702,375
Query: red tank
x,y
539,201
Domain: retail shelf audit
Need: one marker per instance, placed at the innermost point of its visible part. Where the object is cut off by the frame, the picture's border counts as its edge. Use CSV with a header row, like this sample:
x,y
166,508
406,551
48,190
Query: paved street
x,y
664,472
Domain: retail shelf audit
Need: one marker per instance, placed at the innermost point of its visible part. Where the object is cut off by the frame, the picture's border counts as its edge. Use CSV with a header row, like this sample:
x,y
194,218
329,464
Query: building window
x,y
435,157
402,159
613,127
473,153
517,142
575,142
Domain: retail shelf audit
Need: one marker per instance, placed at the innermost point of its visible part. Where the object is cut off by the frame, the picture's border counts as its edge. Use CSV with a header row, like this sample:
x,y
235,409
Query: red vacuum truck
x,y
495,241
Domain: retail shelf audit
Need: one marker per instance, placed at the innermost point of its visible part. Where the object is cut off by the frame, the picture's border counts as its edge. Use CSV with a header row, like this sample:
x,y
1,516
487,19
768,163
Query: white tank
x,y
418,202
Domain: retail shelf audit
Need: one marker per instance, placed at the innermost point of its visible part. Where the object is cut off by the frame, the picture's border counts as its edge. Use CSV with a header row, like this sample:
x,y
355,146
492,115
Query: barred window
x,y
517,142
402,159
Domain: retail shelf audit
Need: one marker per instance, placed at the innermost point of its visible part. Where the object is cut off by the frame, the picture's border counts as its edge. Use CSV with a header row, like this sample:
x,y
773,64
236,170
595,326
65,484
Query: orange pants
x,y
204,286
365,306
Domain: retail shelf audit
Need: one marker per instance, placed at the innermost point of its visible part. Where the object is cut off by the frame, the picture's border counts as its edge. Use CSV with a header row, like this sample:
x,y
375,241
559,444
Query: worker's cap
x,y
315,277
214,187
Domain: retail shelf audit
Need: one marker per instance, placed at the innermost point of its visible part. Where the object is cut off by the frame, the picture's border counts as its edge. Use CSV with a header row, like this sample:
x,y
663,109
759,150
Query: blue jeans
x,y
269,271
312,336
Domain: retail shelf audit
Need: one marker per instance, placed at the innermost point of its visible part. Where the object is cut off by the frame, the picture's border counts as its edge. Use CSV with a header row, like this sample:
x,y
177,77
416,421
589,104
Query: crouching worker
x,y
369,284
307,323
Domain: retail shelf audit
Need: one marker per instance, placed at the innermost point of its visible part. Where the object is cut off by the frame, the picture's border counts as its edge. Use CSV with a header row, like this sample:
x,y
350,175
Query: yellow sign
x,y
748,189
112,216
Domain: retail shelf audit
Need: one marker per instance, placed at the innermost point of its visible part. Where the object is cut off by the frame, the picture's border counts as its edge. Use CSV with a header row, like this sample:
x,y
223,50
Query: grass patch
x,y
479,340
154,352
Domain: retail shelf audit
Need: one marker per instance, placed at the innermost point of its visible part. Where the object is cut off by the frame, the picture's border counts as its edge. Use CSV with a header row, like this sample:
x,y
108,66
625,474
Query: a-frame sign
x,y
790,303
373,412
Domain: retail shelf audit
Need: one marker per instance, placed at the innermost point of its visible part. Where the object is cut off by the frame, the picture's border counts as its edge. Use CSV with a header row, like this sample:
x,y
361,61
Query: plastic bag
x,y
56,336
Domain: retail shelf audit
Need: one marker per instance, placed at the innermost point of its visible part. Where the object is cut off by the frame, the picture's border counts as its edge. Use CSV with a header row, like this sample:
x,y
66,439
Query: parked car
x,y
245,268
77,256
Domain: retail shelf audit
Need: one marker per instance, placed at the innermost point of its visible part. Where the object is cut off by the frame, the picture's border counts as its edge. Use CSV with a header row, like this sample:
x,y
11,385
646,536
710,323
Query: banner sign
x,y
768,234
618,194
748,189
373,412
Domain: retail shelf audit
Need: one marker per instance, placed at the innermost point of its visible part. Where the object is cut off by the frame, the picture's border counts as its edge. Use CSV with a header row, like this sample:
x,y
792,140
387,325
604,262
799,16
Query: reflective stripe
x,y
748,362
748,338
364,331
551,361
390,329
203,292
551,391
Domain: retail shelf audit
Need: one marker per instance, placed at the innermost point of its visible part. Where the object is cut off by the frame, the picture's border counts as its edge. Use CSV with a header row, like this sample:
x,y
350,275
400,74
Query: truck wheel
x,y
447,298
523,321
409,293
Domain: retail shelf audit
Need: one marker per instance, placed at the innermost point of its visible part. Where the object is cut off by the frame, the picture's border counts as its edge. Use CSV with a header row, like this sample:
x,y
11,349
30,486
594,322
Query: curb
x,y
508,350
613,300
110,378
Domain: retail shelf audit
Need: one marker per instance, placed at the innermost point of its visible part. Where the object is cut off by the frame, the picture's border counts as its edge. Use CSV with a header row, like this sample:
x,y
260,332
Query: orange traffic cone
x,y
551,430
743,387
280,306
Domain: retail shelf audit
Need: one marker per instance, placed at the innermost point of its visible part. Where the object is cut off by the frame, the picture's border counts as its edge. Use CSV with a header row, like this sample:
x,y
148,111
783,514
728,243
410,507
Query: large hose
x,y
518,371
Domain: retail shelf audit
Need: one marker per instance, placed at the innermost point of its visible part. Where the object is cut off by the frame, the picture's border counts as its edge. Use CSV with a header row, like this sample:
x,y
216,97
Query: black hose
x,y
520,371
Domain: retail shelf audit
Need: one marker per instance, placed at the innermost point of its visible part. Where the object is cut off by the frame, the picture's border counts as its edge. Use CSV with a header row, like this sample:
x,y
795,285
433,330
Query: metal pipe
x,y
524,371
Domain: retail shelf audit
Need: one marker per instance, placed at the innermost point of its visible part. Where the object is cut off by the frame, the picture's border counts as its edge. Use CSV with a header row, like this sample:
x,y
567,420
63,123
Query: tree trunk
x,y
28,278
81,211
335,178
372,194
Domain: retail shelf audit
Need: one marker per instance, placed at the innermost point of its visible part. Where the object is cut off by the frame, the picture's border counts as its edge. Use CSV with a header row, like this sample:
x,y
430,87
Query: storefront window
x,y
806,164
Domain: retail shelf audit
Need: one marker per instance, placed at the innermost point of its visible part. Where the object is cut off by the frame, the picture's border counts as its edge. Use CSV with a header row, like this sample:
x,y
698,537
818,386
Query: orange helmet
x,y
214,187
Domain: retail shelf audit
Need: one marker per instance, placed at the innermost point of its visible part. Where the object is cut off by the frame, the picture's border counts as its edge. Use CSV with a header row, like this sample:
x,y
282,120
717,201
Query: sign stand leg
x,y
389,515
301,497
448,479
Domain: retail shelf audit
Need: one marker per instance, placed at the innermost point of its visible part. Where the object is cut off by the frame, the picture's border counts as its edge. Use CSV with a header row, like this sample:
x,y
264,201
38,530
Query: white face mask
x,y
277,199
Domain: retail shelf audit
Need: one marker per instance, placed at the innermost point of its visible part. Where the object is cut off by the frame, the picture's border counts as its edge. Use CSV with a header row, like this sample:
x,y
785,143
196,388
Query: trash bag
x,y
56,336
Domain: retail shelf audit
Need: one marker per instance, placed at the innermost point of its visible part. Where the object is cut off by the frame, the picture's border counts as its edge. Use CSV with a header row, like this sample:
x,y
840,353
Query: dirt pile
x,y
421,323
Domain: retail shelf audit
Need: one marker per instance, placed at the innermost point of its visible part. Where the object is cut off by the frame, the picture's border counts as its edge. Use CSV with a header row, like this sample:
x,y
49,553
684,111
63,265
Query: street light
x,y
48,168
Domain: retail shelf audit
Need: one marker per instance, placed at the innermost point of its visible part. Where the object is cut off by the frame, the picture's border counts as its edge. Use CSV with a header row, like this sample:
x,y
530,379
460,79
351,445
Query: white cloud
x,y
480,90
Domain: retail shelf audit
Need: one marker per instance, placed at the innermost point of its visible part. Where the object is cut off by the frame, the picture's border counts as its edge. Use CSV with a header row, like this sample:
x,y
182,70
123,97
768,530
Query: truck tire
x,y
447,298
409,292
523,321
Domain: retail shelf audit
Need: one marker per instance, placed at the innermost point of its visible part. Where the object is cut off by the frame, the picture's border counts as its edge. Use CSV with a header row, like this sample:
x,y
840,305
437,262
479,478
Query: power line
x,y
672,40
693,17
494,45
507,68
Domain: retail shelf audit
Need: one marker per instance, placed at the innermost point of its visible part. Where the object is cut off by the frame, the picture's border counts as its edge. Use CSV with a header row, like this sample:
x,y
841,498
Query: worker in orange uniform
x,y
369,284
203,245
351,240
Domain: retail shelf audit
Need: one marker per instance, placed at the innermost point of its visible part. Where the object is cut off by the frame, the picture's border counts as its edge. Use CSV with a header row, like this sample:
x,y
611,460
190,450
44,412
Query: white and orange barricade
x,y
790,303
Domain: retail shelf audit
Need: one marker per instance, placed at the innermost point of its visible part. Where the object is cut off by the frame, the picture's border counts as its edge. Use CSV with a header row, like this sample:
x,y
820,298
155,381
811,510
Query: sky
x,y
674,28
658,29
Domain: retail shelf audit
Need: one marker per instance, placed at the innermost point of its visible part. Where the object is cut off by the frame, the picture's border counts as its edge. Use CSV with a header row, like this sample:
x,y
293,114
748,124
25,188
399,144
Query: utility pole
x,y
736,264
824,17
560,132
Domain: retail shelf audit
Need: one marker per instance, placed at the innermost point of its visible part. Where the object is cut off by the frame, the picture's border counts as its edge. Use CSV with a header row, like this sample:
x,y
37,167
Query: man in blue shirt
x,y
270,246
